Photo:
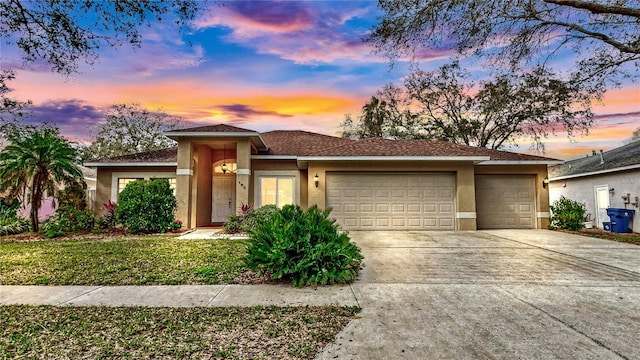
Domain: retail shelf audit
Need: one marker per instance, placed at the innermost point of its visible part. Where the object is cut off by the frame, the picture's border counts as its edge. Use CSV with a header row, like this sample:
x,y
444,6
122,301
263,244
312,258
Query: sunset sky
x,y
262,66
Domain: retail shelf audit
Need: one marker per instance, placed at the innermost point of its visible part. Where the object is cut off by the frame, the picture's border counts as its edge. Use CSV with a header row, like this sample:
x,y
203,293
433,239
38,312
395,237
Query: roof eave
x,y
393,158
522,162
142,163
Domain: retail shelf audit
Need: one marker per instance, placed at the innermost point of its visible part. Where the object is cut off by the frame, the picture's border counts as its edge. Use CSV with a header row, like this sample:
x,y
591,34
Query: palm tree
x,y
36,163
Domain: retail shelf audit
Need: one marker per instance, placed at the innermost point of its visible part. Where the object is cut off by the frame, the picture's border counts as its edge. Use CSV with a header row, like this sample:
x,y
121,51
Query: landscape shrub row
x,y
145,206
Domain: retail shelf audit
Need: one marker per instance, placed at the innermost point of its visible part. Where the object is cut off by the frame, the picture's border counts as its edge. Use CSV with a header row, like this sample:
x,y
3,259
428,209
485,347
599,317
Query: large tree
x,y
61,33
449,105
35,163
11,110
130,128
604,34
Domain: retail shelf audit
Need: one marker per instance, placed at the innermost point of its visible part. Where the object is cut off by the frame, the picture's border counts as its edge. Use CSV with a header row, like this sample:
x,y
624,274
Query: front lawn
x,y
152,260
631,238
50,332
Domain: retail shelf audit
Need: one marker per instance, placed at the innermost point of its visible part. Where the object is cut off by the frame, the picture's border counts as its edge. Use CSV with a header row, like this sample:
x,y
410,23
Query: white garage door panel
x,y
505,201
400,201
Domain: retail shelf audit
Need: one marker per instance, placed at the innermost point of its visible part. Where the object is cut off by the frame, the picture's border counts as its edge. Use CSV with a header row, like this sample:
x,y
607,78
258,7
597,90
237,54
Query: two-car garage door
x,y
392,201
425,201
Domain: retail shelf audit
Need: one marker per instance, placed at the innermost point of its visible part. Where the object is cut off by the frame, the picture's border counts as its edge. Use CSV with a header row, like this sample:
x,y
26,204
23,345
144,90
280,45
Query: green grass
x,y
50,332
159,260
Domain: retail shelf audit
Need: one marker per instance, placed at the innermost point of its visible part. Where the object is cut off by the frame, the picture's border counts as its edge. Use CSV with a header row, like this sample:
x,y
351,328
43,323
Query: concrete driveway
x,y
525,294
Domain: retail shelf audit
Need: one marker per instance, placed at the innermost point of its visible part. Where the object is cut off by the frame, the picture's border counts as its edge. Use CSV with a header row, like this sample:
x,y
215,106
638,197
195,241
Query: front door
x,y
224,197
602,203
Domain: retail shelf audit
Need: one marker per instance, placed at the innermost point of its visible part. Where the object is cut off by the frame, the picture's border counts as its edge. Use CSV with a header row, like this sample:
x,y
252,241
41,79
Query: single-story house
x,y
602,180
370,184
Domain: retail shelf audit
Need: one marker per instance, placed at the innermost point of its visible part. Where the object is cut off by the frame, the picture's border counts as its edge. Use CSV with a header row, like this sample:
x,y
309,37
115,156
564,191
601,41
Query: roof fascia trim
x,y
522,162
116,164
274,157
393,158
592,173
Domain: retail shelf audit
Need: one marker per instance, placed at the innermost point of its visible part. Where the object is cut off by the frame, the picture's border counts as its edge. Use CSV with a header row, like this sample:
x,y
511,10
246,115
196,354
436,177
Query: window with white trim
x,y
277,190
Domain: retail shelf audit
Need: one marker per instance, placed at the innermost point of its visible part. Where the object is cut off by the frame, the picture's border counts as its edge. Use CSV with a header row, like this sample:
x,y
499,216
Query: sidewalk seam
x,y
354,296
215,296
83,294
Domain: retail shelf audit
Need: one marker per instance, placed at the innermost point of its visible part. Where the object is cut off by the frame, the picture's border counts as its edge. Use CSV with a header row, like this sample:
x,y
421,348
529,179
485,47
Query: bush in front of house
x,y
304,247
567,214
68,219
10,222
146,206
249,218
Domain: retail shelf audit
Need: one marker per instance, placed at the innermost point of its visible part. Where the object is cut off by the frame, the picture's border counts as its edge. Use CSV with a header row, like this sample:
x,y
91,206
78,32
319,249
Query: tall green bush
x,y
567,214
304,247
249,219
146,206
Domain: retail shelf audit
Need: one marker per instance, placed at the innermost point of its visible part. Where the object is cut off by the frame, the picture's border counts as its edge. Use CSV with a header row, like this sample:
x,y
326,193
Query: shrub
x,y
68,219
567,214
146,206
108,220
304,247
250,218
10,222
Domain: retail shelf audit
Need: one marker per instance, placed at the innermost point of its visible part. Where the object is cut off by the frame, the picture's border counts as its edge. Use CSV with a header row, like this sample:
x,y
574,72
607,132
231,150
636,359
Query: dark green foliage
x,y
146,206
248,220
567,214
10,222
304,247
74,195
35,163
68,219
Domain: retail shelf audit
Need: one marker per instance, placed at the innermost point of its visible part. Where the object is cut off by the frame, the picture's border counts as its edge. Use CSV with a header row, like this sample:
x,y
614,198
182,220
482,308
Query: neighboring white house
x,y
600,181
47,209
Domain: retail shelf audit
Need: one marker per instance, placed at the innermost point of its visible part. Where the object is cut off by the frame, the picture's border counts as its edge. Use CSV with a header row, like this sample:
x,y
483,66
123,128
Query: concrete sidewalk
x,y
178,295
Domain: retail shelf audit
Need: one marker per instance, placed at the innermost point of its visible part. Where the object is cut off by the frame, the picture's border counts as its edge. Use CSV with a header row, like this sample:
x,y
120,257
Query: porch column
x,y
184,173
243,173
466,198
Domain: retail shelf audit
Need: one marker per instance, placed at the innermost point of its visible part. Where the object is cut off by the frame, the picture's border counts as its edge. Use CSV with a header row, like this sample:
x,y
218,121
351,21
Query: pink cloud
x,y
297,31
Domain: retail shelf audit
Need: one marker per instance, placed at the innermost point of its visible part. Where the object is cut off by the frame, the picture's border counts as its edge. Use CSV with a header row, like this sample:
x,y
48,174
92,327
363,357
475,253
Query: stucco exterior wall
x,y
583,190
201,193
542,194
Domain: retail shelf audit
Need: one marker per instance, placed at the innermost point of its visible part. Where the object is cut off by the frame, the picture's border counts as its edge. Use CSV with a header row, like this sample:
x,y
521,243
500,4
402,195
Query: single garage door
x,y
505,201
398,201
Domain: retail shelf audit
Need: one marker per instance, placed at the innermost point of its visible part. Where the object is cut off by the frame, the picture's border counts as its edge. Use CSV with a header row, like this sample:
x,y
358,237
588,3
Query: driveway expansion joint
x,y
635,273
568,325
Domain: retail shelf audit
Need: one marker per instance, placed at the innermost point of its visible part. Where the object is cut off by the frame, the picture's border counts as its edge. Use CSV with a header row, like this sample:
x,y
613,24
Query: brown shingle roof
x,y
386,147
304,143
159,156
296,142
214,128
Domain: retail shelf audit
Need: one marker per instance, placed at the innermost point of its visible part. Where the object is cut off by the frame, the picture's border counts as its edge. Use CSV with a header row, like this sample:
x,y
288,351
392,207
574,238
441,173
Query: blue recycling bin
x,y
620,219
